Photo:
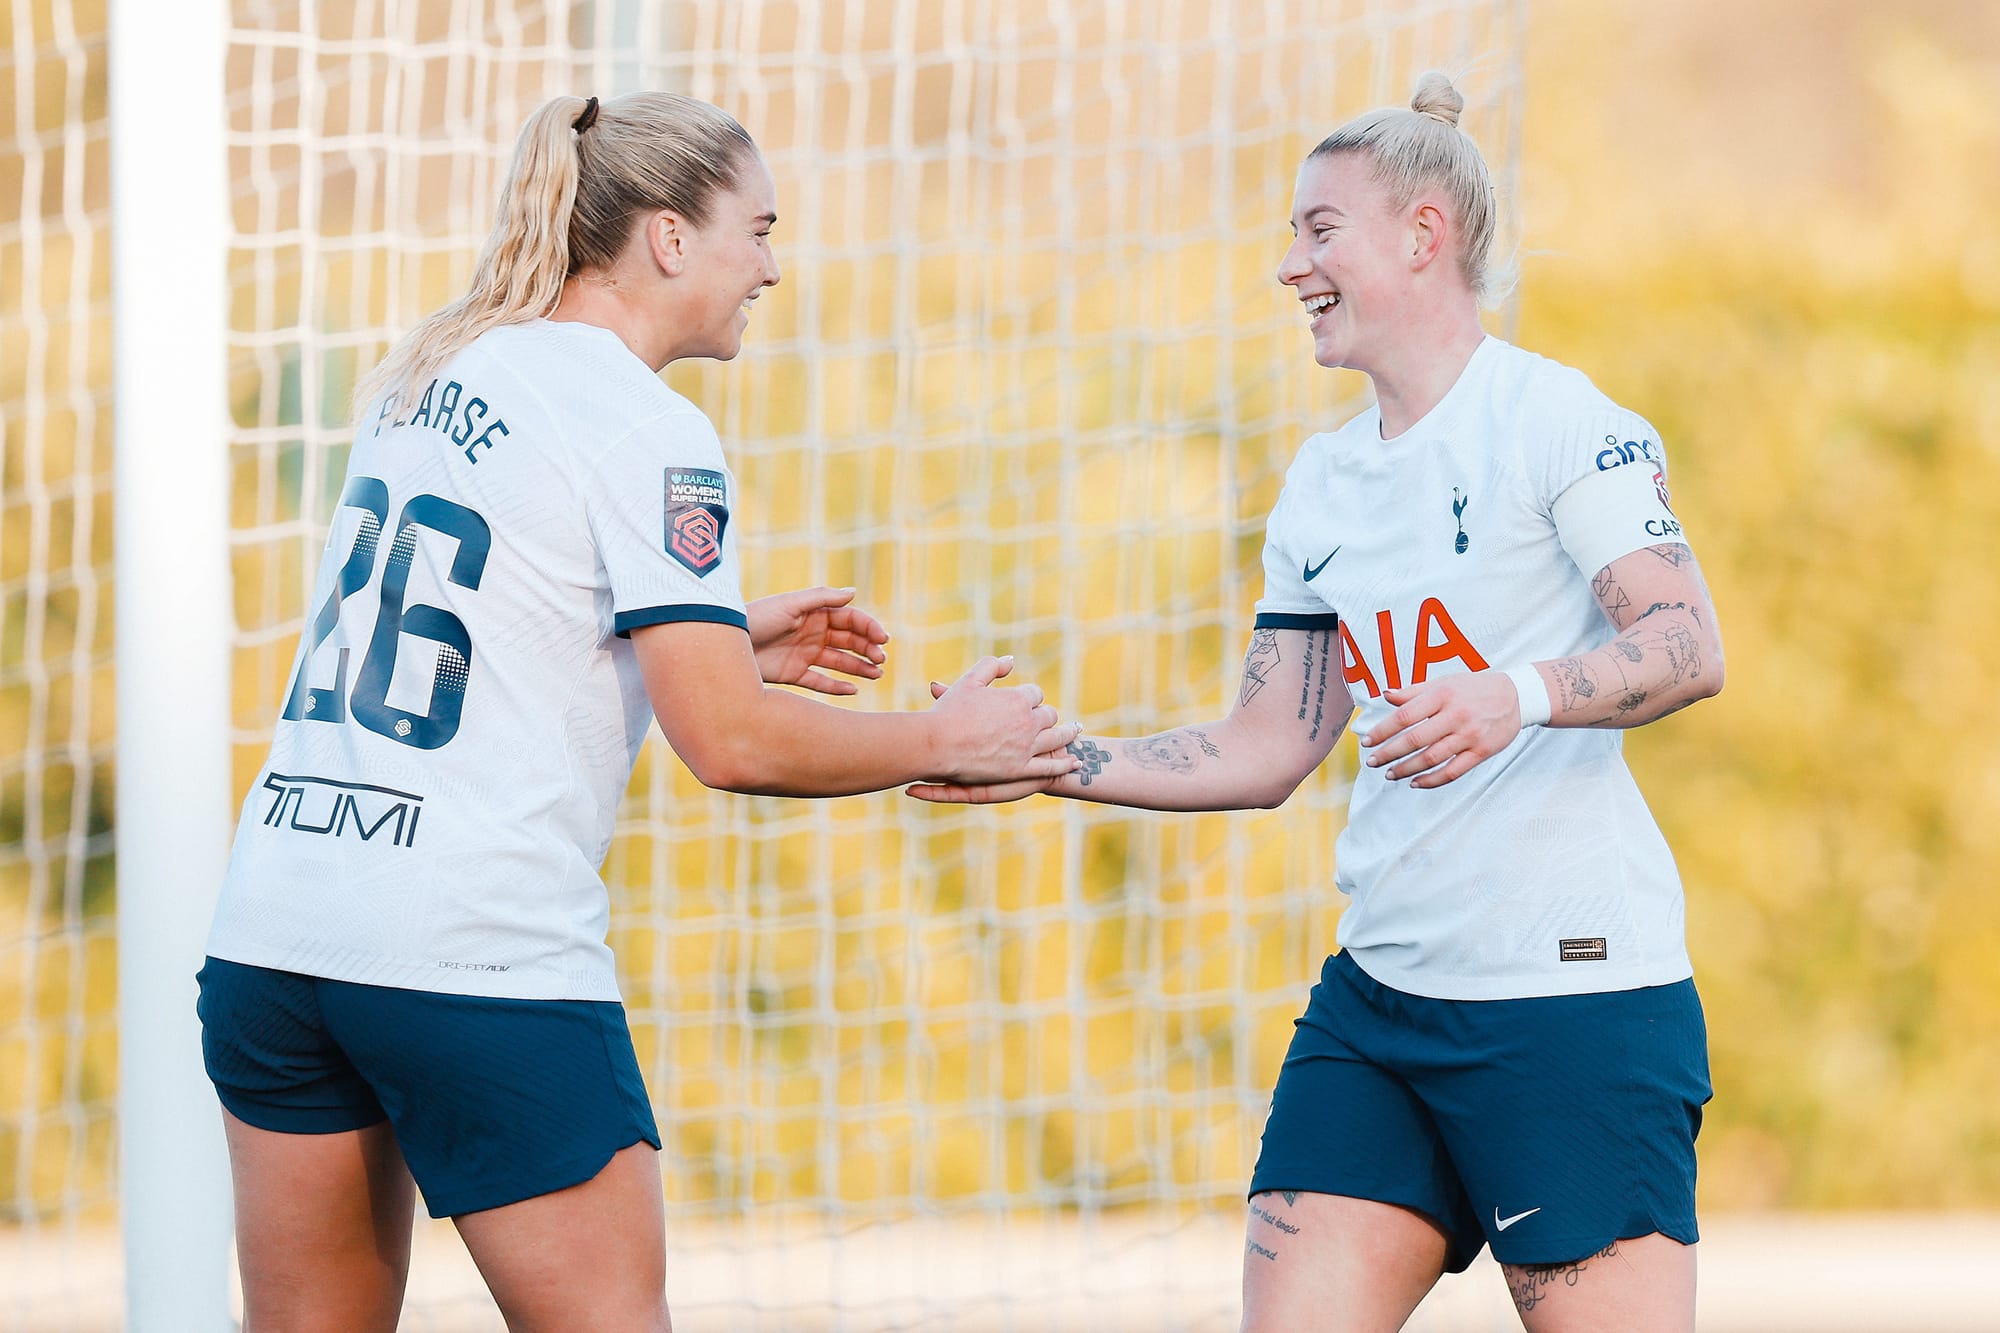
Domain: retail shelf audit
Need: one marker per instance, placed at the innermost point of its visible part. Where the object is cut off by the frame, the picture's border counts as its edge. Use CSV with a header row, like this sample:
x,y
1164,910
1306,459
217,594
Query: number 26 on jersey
x,y
426,518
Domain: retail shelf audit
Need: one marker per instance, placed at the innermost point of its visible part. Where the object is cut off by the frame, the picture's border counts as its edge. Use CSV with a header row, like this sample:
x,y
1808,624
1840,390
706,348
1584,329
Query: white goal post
x,y
1029,383
169,239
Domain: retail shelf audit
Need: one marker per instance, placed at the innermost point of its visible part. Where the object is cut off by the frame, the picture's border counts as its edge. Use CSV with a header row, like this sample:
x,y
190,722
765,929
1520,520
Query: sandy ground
x,y
1914,1274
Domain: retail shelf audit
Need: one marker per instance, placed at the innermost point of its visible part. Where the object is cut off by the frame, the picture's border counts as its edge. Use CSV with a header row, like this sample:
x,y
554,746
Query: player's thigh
x,y
1645,1285
323,1199
592,1256
1336,1264
1356,1205
322,1228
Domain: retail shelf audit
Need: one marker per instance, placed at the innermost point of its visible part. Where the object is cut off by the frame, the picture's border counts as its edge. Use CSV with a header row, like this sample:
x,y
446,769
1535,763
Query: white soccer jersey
x,y
1468,542
464,712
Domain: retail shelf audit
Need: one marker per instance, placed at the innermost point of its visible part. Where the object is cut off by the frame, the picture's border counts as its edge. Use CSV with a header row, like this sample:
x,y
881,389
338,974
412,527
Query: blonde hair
x,y
1424,146
582,172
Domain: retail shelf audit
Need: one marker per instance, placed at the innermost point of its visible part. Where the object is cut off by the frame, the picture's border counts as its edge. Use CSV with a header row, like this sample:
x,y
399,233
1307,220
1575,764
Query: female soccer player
x,y
533,557
1508,1049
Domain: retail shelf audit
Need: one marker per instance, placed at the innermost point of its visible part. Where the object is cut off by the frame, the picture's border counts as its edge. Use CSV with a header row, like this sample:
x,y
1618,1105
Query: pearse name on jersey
x,y
464,419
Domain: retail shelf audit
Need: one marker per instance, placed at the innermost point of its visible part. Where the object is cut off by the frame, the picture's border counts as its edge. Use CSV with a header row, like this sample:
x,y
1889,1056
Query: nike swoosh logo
x,y
1501,1225
1312,570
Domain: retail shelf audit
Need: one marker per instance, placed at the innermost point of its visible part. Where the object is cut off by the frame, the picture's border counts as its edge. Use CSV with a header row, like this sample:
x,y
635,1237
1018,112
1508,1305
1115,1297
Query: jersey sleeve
x,y
1604,481
659,504
1289,601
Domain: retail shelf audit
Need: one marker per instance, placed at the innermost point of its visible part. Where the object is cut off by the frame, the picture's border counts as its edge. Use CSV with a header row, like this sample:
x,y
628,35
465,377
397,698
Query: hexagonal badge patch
x,y
697,513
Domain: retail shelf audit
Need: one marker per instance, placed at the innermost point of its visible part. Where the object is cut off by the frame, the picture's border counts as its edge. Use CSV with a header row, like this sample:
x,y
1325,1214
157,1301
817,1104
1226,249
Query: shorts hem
x,y
1582,1245
297,1119
565,1175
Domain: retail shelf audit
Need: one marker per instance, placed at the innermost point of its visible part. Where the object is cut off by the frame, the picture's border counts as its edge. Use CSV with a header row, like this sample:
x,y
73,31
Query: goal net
x,y
1029,383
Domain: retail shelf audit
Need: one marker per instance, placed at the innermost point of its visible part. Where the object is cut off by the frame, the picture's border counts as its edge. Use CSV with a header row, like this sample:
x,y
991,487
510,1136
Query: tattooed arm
x,y
1290,710
1668,653
1666,656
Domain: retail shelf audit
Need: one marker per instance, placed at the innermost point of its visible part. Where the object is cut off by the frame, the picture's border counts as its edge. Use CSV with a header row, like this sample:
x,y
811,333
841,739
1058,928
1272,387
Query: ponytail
x,y
582,171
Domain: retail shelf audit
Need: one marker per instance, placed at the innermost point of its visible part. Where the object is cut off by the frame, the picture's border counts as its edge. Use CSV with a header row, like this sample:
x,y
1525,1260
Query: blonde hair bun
x,y
1436,98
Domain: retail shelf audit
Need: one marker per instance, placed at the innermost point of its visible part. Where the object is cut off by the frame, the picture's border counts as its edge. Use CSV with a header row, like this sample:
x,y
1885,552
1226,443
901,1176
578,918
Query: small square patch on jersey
x,y
697,508
1592,950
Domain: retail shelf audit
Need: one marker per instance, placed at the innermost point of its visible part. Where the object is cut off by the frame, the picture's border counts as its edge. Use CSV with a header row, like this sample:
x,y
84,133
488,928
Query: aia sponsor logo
x,y
1437,639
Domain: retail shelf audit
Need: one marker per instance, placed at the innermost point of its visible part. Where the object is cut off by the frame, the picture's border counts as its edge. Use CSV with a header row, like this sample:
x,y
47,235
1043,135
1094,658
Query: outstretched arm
x,y
1290,709
1666,655
737,734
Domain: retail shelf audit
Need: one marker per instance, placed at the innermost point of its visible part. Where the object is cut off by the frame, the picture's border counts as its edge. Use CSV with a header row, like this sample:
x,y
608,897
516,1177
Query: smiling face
x,y
1349,259
728,264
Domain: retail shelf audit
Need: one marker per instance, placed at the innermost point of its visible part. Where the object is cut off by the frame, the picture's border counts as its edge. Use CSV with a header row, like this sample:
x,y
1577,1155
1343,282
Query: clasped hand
x,y
987,735
999,735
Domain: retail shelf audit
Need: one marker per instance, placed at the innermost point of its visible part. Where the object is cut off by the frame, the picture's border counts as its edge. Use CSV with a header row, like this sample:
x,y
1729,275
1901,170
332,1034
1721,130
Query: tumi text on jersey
x,y
340,809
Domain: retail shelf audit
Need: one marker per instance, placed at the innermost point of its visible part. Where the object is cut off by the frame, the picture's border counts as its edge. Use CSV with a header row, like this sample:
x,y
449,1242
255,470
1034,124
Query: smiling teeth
x,y
1315,304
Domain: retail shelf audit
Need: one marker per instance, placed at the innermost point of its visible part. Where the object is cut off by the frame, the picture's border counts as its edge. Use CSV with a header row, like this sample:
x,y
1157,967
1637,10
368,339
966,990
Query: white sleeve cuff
x,y
1535,706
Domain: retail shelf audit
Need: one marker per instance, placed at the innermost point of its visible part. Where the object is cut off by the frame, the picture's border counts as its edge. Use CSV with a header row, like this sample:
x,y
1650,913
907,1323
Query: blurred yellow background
x,y
1766,227
1770,228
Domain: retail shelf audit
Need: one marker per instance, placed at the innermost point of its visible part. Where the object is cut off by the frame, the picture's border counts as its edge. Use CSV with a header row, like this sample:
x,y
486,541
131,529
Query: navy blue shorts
x,y
1548,1127
492,1101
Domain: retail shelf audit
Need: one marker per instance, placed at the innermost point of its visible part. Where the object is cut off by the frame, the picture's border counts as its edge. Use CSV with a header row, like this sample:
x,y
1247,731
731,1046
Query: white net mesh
x,y
1029,383
57,982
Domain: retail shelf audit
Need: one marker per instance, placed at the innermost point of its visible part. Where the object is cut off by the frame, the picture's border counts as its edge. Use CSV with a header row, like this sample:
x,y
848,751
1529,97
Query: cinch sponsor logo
x,y
1438,639
336,809
1615,454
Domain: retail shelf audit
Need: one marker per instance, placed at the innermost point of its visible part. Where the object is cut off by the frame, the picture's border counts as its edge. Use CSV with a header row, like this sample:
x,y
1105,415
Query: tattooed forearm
x,y
1306,679
1531,1284
1094,758
1258,664
1575,682
1208,747
1169,752
1644,673
1325,637
1683,651
1612,596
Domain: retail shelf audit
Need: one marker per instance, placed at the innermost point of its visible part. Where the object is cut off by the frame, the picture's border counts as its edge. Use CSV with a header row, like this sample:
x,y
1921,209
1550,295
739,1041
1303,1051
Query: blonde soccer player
x,y
1508,1050
534,556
